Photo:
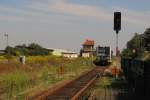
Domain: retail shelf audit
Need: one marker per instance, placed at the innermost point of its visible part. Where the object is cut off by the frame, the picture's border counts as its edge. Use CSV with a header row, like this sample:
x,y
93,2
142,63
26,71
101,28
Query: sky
x,y
65,24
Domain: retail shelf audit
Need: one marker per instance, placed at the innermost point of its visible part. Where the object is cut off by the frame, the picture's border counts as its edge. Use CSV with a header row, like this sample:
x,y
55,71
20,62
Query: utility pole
x,y
6,35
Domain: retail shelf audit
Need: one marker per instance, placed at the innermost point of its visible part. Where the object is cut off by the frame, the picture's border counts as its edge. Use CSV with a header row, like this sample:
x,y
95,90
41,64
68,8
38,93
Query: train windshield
x,y
103,51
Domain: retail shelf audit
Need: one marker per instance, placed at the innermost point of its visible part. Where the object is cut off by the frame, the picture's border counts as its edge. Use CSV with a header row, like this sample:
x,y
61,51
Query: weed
x,y
15,83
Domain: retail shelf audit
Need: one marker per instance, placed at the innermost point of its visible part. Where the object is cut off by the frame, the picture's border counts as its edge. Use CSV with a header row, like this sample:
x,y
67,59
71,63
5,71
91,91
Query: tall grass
x,y
15,83
43,70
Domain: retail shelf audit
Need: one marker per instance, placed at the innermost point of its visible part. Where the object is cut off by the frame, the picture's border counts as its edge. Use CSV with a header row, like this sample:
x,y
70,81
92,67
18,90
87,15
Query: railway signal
x,y
117,28
117,21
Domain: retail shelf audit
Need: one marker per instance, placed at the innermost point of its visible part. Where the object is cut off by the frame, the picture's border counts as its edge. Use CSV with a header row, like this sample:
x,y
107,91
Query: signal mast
x,y
117,28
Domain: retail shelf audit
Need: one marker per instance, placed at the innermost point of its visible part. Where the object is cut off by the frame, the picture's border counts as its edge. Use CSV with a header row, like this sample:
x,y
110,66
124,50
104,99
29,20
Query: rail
x,y
73,89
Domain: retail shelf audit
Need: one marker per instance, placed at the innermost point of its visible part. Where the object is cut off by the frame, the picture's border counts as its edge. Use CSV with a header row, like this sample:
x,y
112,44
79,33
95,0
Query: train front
x,y
103,55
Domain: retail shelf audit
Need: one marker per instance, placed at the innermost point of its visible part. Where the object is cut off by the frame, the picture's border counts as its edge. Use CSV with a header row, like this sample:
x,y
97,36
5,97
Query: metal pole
x,y
116,44
7,40
6,35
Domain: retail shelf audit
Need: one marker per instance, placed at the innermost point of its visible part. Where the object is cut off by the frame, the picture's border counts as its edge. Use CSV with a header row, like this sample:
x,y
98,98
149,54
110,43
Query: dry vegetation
x,y
17,80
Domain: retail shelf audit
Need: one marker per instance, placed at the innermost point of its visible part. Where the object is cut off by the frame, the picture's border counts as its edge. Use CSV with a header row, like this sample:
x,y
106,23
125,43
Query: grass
x,y
106,86
15,83
39,72
2,58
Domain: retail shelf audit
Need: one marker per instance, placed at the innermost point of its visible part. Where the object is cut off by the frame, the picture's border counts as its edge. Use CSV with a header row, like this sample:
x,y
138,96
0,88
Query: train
x,y
103,55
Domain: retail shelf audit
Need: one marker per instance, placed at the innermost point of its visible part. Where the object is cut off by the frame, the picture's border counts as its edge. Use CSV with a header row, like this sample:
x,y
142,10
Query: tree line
x,y
32,49
138,46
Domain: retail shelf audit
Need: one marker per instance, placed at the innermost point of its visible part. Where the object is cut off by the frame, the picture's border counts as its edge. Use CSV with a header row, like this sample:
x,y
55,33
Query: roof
x,y
89,42
62,51
69,52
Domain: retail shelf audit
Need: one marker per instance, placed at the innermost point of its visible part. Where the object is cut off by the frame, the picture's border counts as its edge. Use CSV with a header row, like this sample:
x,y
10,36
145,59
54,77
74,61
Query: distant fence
x,y
137,73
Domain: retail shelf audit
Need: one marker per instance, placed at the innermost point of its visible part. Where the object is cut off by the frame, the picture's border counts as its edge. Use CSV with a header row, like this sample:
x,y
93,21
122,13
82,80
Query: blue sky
x,y
67,23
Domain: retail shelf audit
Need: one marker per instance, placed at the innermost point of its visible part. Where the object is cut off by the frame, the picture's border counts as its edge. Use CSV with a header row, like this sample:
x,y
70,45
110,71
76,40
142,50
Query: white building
x,y
64,53
69,54
85,54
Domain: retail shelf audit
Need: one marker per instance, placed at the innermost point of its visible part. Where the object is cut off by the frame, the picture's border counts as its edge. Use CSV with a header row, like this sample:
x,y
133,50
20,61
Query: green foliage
x,y
137,46
32,50
34,46
9,50
127,53
136,43
146,37
35,49
106,81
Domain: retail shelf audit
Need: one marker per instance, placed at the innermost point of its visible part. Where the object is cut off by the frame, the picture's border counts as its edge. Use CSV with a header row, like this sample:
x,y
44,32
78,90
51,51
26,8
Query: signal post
x,y
117,28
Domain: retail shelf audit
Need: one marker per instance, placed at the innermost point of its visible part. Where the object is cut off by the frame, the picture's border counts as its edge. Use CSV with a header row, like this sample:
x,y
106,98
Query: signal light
x,y
117,21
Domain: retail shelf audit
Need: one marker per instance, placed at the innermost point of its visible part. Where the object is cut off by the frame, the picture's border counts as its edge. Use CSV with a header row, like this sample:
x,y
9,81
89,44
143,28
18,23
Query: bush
x,y
32,50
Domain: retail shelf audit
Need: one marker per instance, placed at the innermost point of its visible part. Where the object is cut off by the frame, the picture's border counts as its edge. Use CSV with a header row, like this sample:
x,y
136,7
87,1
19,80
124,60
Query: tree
x,y
21,50
136,44
127,53
146,37
35,49
139,43
32,50
9,52
34,46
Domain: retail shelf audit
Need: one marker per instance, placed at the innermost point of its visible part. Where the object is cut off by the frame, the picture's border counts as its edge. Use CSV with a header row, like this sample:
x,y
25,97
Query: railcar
x,y
103,55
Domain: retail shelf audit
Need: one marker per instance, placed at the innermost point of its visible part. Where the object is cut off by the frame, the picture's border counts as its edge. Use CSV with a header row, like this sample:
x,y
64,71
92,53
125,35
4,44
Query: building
x,y
56,52
64,53
69,54
88,48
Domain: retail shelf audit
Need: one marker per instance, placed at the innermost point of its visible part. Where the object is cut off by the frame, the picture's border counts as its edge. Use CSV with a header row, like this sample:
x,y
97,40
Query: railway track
x,y
74,89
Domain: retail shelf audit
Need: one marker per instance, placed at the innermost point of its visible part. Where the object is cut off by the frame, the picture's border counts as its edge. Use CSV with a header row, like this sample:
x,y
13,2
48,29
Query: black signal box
x,y
117,21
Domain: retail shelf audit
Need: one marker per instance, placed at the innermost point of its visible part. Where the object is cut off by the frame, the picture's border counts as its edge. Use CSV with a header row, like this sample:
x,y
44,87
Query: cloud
x,y
43,10
79,10
86,11
135,17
